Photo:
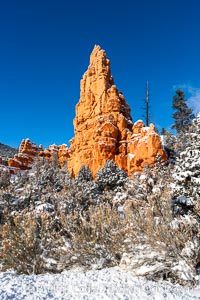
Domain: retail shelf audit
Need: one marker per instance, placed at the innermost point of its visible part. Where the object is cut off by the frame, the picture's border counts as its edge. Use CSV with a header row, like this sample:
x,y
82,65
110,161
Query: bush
x,y
32,244
162,246
4,179
110,176
84,174
21,245
94,223
97,239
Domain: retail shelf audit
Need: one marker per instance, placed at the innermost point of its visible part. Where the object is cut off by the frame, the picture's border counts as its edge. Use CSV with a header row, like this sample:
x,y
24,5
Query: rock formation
x,y
25,157
103,125
143,147
28,151
102,119
103,129
60,153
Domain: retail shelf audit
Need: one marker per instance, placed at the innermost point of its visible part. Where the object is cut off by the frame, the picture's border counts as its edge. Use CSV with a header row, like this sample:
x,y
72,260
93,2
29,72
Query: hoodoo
x,y
102,119
103,125
24,159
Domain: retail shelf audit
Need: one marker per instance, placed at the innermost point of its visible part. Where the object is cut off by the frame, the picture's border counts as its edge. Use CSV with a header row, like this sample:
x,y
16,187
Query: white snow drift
x,y
107,284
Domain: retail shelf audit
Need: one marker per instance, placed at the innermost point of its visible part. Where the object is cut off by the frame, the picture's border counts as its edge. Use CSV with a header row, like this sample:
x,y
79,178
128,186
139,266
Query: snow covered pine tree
x,y
110,176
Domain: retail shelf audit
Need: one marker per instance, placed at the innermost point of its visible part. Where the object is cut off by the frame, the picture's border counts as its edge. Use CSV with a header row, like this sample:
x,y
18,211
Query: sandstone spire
x,y
102,118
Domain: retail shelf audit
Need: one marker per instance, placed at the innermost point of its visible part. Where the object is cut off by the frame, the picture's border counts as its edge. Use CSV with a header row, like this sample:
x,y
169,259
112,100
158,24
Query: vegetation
x,y
149,224
183,115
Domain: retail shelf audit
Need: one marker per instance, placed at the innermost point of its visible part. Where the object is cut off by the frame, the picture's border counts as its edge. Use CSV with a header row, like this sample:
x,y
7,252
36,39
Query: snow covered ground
x,y
110,283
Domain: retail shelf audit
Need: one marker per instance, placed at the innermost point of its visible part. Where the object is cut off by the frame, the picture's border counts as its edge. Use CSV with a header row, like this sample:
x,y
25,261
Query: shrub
x,y
97,239
166,246
45,229
84,174
110,176
4,179
21,246
32,244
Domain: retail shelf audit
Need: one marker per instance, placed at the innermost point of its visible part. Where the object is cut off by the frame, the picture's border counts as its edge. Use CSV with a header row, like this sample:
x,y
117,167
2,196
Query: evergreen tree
x,y
147,104
84,174
169,142
183,115
110,176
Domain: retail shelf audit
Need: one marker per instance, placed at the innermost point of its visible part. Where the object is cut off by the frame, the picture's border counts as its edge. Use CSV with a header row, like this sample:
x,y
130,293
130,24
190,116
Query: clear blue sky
x,y
45,48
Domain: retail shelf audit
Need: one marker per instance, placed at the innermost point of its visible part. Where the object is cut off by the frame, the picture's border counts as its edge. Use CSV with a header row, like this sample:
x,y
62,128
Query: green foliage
x,y
50,222
110,176
183,115
169,142
84,174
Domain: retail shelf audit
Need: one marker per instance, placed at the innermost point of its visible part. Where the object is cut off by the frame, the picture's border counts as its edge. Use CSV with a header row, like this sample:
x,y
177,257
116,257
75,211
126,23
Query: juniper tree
x,y
84,174
110,176
183,115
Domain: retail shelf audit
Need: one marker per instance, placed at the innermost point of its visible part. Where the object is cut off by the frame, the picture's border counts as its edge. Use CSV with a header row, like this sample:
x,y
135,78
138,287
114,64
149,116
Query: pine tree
x,y
147,104
183,115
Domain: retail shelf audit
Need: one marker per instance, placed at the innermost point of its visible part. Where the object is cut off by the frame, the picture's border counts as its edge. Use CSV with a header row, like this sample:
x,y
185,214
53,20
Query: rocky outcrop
x,y
27,152
59,153
102,119
143,147
103,125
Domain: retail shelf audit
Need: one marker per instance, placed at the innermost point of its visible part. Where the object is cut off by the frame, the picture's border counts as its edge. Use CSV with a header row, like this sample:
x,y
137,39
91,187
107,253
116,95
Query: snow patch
x,y
110,283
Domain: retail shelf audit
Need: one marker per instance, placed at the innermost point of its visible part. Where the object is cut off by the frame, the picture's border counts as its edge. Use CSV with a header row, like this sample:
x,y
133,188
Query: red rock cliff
x,y
143,147
61,152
